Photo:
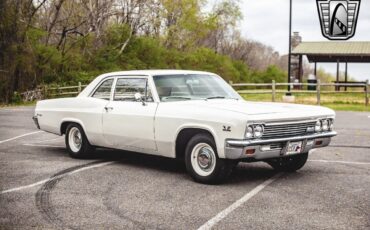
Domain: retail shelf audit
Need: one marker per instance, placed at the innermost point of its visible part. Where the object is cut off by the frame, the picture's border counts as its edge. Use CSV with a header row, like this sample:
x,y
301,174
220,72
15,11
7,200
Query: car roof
x,y
92,85
155,72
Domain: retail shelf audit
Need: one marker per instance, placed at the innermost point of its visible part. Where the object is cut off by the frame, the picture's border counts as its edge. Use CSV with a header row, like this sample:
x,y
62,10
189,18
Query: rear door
x,y
128,123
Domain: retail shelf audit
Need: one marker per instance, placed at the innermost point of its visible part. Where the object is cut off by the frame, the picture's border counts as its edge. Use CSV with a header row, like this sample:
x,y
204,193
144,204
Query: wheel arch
x,y
185,134
65,122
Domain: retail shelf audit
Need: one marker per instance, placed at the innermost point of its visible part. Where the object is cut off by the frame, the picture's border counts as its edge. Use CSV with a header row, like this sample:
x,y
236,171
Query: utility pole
x,y
290,46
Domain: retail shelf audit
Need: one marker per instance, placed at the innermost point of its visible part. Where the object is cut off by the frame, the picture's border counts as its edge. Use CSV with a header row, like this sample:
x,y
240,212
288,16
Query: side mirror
x,y
139,97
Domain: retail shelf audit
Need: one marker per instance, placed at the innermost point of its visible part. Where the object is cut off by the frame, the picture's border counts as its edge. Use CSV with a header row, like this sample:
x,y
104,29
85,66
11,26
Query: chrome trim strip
x,y
298,122
292,120
246,143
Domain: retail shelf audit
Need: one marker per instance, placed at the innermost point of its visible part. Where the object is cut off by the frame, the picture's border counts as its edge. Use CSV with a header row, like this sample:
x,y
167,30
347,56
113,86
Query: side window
x,y
126,88
103,92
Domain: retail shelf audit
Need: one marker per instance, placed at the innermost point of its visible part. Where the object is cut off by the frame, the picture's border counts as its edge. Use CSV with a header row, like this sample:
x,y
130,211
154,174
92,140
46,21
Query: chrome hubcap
x,y
205,158
75,139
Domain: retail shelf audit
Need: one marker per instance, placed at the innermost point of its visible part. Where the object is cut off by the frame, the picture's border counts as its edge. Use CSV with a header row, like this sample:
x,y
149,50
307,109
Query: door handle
x,y
107,109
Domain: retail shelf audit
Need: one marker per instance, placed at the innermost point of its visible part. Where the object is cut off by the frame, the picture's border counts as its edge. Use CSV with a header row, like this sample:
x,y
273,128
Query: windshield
x,y
192,87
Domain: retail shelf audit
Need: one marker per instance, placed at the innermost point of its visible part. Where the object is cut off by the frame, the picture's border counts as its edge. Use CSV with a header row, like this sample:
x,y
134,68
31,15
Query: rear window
x,y
104,90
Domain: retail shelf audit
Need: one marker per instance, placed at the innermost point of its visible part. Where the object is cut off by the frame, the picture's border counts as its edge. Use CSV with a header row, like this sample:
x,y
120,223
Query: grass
x,y
28,103
338,101
348,107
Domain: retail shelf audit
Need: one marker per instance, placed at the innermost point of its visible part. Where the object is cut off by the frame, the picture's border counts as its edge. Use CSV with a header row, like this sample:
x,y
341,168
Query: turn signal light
x,y
250,151
318,143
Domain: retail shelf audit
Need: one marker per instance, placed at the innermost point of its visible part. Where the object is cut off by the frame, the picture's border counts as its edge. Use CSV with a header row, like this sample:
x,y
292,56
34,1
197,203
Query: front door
x,y
128,123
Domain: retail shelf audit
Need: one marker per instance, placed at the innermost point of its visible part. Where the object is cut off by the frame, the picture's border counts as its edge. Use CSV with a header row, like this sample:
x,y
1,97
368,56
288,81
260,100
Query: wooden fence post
x,y
318,90
45,92
79,87
58,91
273,91
367,93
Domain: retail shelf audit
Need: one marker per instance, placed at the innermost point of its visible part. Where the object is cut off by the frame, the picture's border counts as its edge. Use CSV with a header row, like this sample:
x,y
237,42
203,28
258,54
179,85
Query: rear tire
x,y
289,164
202,161
76,142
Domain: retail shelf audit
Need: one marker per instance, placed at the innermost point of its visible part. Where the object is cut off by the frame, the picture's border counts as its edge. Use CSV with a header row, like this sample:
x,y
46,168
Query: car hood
x,y
264,110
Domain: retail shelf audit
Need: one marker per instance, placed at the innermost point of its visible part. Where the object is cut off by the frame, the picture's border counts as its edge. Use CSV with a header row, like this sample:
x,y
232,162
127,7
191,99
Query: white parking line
x,y
56,177
341,162
212,222
41,145
23,135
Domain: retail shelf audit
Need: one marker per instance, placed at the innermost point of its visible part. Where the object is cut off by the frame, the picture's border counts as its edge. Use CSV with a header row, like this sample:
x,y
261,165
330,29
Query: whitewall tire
x,y
77,143
203,163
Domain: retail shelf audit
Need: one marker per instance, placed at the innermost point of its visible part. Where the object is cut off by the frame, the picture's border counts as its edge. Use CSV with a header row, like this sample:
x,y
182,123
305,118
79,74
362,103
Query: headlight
x,y
331,124
325,125
254,131
258,131
249,133
318,126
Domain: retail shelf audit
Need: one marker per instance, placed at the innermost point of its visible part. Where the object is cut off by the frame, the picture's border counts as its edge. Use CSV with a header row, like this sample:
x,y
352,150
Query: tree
x,y
225,16
16,17
65,41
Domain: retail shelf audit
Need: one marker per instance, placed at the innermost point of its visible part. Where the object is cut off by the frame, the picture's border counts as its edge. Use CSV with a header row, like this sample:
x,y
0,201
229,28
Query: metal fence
x,y
274,88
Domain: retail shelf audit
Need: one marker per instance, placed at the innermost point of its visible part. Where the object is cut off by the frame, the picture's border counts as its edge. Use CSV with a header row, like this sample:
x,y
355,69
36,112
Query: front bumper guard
x,y
36,120
236,149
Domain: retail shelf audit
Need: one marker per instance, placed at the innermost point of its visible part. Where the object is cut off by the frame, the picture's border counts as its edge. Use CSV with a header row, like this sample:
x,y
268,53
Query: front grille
x,y
288,129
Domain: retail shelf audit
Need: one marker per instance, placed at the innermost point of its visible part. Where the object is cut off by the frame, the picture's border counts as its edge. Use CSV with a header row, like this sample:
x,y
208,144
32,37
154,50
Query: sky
x,y
267,21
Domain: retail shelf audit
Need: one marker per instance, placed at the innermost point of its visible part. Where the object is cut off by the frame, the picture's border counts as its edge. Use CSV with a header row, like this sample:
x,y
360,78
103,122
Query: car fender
x,y
208,128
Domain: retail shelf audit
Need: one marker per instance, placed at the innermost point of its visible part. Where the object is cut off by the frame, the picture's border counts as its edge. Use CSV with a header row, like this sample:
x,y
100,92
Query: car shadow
x,y
251,172
243,172
139,160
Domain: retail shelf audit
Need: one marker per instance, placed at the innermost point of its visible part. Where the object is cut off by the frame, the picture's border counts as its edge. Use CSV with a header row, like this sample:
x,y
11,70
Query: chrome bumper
x,y
236,149
36,120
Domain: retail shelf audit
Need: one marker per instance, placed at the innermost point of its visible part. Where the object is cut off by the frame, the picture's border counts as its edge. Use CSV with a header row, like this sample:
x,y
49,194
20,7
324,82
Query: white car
x,y
192,115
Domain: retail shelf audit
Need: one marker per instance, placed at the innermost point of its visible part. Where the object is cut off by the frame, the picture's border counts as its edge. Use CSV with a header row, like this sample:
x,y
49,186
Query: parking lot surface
x,y
42,188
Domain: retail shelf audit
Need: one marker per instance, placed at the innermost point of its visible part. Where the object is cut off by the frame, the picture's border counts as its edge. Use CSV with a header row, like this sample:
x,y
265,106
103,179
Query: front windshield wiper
x,y
176,97
216,97
221,97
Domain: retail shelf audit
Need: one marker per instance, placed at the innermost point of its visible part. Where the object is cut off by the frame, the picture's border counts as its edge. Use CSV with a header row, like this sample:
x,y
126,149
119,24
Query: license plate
x,y
294,148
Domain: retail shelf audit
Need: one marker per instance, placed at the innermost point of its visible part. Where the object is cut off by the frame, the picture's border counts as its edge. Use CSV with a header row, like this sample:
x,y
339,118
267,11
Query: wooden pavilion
x,y
332,52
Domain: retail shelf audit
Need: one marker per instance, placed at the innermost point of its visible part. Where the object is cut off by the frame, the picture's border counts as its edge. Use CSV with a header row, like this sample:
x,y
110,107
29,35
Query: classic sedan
x,y
191,115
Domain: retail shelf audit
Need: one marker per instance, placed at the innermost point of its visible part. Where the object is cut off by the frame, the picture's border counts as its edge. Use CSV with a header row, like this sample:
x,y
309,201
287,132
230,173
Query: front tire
x,y
203,163
289,164
76,142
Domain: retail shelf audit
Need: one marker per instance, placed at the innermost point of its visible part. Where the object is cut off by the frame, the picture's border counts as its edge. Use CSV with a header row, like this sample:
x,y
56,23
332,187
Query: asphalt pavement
x,y
41,187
